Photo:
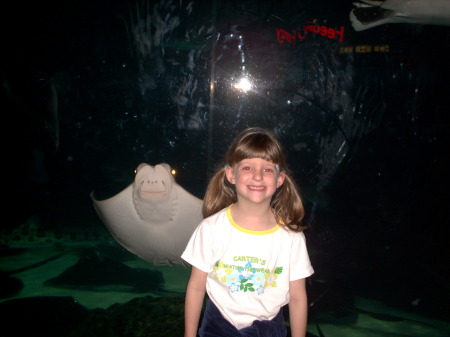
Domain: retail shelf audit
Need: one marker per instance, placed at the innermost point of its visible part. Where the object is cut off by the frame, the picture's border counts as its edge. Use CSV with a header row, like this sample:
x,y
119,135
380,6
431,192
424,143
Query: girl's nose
x,y
257,175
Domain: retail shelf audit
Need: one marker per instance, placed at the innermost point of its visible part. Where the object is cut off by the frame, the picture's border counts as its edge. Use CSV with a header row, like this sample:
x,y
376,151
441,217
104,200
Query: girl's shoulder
x,y
217,220
291,234
217,215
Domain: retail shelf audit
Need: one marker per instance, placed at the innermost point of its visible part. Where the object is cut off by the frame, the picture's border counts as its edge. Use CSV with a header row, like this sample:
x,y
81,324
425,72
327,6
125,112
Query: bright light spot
x,y
243,84
173,172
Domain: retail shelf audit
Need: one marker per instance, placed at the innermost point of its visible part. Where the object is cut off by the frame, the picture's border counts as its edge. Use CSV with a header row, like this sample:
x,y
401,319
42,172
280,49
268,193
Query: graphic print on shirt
x,y
251,275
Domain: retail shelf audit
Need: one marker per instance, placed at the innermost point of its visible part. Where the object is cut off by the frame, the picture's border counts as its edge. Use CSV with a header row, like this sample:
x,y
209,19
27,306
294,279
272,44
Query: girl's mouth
x,y
256,188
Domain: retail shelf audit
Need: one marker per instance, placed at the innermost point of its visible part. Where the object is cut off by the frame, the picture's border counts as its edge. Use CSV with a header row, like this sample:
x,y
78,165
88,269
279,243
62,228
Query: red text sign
x,y
310,27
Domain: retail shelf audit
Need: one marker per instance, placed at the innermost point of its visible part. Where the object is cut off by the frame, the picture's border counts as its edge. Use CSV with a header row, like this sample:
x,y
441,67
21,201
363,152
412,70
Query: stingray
x,y
94,272
11,285
369,13
153,217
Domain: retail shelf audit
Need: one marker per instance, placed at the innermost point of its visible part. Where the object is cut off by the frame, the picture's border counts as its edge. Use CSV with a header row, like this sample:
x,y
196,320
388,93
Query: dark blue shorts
x,y
215,325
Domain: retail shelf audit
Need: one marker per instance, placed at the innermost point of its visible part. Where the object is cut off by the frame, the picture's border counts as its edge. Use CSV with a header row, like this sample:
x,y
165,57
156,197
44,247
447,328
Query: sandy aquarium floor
x,y
33,279
175,279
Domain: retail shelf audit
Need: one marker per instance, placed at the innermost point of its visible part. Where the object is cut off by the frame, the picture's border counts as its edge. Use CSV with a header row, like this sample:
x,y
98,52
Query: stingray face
x,y
153,183
153,192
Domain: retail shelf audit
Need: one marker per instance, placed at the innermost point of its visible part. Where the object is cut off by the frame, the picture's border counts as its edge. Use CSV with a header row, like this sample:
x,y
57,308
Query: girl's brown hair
x,y
286,203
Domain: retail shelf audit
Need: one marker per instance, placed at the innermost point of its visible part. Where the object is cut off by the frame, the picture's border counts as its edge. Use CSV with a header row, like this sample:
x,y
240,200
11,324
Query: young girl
x,y
249,252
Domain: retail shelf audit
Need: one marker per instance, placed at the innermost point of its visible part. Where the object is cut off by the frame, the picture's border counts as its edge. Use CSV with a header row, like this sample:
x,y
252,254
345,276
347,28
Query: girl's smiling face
x,y
255,179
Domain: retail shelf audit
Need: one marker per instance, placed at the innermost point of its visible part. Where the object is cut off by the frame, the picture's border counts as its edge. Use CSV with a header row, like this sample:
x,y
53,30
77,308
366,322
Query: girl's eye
x,y
268,170
246,168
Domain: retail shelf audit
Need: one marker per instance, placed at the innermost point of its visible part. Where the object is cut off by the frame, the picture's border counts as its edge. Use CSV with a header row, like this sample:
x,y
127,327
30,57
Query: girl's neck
x,y
253,217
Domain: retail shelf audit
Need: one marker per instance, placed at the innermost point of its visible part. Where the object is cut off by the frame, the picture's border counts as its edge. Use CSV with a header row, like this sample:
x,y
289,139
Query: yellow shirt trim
x,y
248,231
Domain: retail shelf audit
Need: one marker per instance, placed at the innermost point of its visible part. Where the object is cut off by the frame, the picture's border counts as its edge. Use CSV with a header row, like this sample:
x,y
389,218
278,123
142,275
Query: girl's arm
x,y
195,294
298,308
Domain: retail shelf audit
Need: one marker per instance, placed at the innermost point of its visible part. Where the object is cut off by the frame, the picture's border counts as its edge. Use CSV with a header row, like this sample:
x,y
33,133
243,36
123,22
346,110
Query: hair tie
x,y
226,166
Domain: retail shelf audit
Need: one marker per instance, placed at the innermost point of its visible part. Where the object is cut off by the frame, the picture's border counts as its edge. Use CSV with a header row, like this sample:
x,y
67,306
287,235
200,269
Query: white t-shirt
x,y
248,271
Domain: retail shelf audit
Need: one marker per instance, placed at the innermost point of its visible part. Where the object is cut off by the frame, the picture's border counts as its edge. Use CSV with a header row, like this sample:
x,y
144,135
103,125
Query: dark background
x,y
366,133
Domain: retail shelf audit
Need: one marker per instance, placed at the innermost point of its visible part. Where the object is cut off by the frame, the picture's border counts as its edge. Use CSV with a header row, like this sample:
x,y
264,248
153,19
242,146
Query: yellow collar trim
x,y
248,231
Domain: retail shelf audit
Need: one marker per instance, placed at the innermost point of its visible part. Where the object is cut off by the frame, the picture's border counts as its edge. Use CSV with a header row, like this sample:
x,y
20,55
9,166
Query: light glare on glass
x,y
243,84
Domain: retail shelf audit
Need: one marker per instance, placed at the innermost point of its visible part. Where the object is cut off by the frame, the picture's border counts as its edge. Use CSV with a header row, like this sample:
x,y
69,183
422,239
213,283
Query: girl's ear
x,y
229,173
280,179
